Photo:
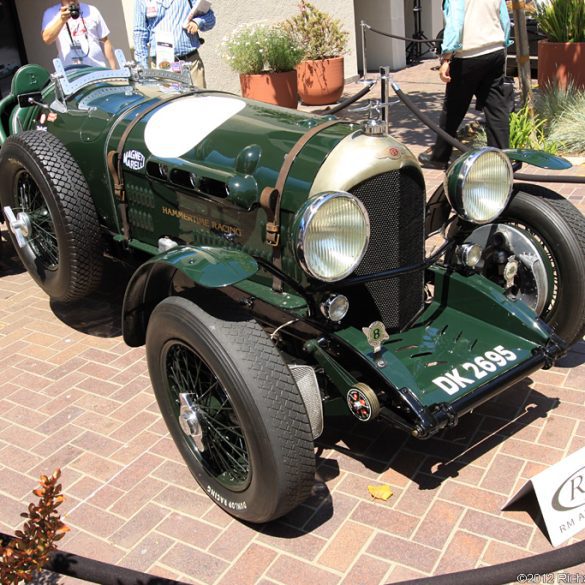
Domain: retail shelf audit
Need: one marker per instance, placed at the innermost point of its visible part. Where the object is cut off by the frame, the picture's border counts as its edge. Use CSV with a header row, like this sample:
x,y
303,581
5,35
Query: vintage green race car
x,y
283,265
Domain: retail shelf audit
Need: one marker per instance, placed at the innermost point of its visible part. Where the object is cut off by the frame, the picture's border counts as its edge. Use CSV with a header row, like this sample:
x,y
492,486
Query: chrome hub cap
x,y
190,421
20,225
523,271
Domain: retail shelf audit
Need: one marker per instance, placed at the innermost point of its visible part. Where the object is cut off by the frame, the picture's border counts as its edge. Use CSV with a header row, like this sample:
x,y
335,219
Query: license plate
x,y
475,370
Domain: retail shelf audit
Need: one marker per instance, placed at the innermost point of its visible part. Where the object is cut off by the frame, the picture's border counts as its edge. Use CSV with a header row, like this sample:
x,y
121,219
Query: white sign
x,y
165,49
560,491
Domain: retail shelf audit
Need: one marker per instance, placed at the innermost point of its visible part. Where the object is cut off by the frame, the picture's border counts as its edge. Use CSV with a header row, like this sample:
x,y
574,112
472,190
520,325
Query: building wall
x,y
386,16
119,18
231,13
397,18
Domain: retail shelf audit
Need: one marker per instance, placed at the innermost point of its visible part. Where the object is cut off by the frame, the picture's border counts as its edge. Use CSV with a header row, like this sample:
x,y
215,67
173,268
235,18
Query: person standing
x,y
80,33
179,24
472,63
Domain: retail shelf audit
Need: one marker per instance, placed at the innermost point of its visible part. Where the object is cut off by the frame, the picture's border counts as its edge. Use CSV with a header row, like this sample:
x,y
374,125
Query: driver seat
x,y
28,79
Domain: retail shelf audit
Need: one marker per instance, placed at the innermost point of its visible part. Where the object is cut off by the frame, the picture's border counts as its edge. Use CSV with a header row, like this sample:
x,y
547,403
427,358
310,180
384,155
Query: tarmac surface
x,y
74,396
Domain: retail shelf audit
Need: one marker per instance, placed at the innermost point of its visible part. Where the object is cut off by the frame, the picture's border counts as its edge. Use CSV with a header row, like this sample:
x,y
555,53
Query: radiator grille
x,y
395,202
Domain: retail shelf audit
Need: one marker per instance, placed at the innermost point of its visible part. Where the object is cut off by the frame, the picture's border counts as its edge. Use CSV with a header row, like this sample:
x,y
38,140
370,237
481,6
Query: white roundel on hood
x,y
176,127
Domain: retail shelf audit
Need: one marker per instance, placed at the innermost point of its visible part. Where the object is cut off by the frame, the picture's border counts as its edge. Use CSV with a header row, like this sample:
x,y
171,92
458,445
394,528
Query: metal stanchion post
x,y
383,92
385,76
363,26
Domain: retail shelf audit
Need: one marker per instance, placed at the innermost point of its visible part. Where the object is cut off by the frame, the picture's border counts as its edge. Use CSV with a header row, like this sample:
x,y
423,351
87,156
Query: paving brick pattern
x,y
73,395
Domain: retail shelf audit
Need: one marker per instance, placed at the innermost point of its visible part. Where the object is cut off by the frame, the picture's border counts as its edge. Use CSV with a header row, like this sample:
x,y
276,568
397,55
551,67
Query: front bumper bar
x,y
430,420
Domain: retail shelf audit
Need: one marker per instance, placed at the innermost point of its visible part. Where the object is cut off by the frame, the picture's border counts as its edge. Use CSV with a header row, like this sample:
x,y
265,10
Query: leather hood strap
x,y
115,159
270,198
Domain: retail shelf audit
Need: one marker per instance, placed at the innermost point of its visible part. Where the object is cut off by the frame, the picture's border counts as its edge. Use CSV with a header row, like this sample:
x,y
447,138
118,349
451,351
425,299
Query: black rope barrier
x,y
549,178
445,135
426,120
464,148
542,565
86,569
347,102
408,39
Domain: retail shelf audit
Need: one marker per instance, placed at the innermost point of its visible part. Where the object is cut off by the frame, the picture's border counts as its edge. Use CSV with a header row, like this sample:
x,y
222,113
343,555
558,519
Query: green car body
x,y
177,177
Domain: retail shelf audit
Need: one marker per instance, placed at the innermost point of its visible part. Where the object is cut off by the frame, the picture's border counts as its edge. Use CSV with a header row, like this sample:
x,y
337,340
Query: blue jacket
x,y
454,13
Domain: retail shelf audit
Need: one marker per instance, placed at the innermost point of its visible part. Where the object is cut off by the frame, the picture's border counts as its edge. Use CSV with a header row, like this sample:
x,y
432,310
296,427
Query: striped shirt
x,y
166,15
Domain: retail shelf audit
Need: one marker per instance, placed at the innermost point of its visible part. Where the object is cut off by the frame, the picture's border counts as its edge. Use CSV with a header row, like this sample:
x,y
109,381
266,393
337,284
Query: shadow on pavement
x,y
575,357
430,462
100,314
350,445
313,512
9,262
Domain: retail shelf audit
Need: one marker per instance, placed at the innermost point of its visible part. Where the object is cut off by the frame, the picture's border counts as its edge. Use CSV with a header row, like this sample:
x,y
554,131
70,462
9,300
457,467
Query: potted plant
x,y
265,55
320,74
561,55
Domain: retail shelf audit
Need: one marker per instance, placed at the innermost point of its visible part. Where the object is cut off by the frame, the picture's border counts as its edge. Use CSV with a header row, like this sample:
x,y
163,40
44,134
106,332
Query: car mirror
x,y
26,100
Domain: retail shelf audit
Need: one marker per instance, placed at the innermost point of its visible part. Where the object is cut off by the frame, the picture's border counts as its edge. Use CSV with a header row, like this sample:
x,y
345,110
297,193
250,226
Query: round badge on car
x,y
363,402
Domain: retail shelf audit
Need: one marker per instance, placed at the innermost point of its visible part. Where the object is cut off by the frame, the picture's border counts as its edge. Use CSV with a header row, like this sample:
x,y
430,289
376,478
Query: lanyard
x,y
75,45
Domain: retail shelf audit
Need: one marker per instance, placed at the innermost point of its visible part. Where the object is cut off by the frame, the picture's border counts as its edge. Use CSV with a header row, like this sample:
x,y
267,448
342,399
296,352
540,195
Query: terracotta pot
x,y
560,62
320,82
272,88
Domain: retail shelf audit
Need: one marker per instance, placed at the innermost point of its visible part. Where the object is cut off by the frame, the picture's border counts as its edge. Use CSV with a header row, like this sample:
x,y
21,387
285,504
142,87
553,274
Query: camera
x,y
74,10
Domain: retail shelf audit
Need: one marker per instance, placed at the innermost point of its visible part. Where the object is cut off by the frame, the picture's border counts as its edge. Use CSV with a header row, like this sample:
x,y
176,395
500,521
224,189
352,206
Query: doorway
x,y
12,54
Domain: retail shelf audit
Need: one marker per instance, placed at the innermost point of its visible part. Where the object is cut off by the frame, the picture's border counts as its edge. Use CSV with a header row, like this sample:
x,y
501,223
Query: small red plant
x,y
29,550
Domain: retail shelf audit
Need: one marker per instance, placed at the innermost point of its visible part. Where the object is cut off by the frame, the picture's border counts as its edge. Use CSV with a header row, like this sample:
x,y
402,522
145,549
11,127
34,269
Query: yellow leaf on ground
x,y
380,492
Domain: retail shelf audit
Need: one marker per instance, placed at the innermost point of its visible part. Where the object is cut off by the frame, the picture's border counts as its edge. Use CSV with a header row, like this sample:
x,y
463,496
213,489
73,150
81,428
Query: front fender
x,y
538,158
153,281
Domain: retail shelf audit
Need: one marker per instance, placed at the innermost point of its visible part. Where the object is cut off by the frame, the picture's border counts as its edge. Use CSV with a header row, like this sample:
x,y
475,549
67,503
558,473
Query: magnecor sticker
x,y
177,127
134,159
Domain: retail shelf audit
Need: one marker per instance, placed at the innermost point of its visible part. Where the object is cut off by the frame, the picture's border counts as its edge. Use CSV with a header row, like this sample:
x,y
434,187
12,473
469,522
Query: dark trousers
x,y
482,77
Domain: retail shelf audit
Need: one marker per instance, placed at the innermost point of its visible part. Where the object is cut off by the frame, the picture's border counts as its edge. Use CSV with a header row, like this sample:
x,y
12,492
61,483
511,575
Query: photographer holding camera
x,y
81,34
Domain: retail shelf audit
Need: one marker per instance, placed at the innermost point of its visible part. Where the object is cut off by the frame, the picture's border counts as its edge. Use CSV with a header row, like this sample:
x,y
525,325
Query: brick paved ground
x,y
73,395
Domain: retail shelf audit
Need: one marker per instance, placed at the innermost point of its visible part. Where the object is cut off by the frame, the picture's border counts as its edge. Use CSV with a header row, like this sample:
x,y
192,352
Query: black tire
x,y
264,464
39,176
559,229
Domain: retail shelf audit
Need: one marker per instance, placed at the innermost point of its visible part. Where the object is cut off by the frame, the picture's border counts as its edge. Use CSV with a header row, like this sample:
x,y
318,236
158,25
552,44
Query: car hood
x,y
223,137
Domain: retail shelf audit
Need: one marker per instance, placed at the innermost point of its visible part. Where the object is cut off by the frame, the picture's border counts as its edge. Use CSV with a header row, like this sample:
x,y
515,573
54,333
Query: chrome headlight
x,y
331,234
479,183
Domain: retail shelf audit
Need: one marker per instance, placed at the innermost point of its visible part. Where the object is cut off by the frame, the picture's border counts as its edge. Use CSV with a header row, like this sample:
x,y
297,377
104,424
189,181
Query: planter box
x,y
560,62
272,88
320,82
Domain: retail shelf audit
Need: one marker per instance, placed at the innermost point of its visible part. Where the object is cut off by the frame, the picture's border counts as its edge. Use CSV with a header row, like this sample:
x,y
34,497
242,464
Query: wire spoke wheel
x,y
232,408
42,238
223,451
